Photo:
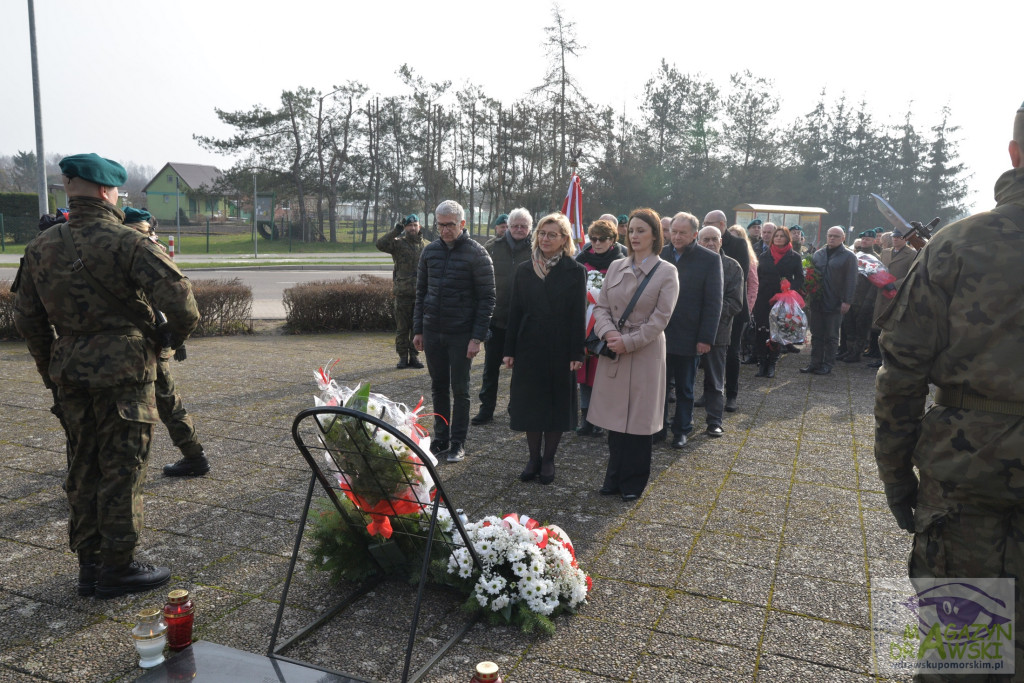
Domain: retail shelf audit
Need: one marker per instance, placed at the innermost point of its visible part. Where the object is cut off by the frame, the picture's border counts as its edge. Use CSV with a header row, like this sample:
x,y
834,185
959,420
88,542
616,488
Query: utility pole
x,y
44,200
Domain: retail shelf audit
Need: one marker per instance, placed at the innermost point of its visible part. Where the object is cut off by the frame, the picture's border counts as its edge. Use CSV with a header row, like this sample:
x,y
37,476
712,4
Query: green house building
x,y
191,187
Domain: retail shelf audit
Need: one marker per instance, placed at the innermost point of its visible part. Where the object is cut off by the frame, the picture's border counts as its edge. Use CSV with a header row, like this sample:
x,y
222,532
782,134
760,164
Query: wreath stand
x,y
308,430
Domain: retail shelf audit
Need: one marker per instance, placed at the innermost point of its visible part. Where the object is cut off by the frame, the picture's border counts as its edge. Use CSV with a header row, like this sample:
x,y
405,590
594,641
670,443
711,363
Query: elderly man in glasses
x,y
454,302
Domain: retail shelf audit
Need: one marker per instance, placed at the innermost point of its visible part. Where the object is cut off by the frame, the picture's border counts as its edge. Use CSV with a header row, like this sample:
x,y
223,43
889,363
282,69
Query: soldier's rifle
x,y
916,233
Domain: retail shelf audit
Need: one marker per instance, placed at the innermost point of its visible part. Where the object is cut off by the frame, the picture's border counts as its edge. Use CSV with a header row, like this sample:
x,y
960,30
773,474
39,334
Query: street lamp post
x,y
44,200
177,209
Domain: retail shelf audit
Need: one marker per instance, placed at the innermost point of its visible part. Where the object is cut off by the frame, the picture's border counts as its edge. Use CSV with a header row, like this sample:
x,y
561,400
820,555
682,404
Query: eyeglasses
x,y
519,226
600,239
447,226
543,235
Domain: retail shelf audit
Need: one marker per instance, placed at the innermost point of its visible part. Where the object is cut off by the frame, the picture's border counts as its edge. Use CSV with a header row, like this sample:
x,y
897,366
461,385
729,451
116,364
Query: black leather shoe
x,y
629,497
402,364
608,491
531,471
851,358
809,369
414,362
585,429
877,364
749,360
823,370
679,441
730,405
598,431
188,467
714,430
87,574
481,418
700,402
659,435
134,577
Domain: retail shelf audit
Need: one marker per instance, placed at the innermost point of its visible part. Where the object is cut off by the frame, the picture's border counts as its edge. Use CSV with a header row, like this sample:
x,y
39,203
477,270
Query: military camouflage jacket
x,y
956,322
97,346
405,250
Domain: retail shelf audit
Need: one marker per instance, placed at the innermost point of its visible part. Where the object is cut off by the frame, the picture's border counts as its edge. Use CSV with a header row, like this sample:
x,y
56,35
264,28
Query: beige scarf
x,y
543,266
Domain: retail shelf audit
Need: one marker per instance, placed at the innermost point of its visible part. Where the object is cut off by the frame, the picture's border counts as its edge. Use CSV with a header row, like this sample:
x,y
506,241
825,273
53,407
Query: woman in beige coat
x,y
629,392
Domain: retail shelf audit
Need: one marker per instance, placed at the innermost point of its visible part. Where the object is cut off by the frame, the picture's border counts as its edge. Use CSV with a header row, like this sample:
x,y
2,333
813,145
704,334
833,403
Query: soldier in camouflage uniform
x,y
102,363
958,323
168,402
405,245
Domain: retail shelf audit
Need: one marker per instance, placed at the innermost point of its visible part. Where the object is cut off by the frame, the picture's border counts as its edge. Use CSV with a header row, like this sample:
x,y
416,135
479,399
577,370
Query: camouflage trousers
x,y
110,432
403,321
172,411
969,540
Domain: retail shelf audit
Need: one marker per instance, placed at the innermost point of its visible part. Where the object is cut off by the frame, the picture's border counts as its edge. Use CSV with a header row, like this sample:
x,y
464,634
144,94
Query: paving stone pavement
x,y
749,557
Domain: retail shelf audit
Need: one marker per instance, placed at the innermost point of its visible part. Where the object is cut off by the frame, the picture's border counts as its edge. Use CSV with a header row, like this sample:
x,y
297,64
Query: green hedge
x,y
21,215
225,307
340,305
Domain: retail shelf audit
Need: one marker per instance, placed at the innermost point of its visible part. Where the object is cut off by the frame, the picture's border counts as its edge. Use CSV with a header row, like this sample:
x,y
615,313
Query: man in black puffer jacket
x,y
454,302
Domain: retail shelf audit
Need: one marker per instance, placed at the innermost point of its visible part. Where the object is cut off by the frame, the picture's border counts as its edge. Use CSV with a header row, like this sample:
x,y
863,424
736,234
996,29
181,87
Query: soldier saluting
x,y
957,323
405,244
93,280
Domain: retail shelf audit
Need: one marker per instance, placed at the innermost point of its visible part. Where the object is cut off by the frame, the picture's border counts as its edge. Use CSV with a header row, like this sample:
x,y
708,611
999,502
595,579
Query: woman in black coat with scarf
x,y
544,344
780,261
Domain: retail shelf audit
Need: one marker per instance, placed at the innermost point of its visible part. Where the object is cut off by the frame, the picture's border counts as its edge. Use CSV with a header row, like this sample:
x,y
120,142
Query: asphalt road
x,y
267,285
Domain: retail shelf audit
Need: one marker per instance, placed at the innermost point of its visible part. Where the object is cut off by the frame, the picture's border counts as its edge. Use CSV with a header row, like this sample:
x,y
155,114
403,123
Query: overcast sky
x,y
134,79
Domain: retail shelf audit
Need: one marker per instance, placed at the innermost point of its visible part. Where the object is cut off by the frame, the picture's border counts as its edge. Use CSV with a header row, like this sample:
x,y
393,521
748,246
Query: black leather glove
x,y
399,227
902,499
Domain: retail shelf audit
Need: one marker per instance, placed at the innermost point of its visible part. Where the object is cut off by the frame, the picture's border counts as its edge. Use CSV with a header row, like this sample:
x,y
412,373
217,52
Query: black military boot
x,y
134,577
403,363
414,362
188,467
88,571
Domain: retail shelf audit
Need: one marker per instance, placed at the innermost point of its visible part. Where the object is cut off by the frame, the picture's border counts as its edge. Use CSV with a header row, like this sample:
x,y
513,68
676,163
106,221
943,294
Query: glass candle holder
x,y
486,672
179,613
150,636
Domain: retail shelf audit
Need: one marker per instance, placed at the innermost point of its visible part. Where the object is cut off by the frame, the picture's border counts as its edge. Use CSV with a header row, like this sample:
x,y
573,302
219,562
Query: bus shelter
x,y
809,218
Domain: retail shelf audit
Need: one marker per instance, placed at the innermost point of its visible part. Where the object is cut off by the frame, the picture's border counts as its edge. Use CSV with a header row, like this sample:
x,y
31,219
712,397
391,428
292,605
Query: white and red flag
x,y
572,207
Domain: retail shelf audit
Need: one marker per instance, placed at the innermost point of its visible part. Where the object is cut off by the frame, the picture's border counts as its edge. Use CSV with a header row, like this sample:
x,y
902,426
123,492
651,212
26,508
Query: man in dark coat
x,y
836,269
506,252
733,295
693,327
736,249
454,301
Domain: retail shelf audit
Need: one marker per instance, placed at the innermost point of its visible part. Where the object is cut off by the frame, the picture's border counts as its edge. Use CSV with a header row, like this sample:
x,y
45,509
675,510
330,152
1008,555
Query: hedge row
x,y
338,305
225,307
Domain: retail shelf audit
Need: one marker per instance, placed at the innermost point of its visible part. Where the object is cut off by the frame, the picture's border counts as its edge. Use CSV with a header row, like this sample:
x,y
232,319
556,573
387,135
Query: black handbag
x,y
599,347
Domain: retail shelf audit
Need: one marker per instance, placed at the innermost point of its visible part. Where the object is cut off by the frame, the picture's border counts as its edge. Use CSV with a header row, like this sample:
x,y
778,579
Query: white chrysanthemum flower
x,y
499,603
465,572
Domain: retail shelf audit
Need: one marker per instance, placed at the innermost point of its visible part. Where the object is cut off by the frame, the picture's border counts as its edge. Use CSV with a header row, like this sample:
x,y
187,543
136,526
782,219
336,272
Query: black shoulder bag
x,y
599,347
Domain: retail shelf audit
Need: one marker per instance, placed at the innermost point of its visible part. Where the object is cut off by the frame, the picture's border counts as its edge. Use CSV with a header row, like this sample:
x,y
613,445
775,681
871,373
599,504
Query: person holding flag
x,y
595,258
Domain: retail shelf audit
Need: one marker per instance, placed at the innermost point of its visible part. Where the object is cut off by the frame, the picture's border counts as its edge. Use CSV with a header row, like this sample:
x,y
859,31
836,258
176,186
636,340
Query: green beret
x,y
133,215
623,219
503,218
795,227
756,221
95,169
870,233
412,218
861,234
